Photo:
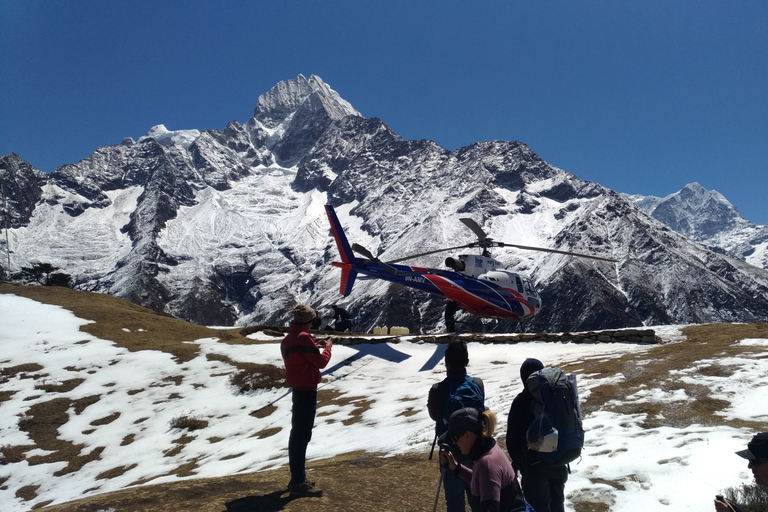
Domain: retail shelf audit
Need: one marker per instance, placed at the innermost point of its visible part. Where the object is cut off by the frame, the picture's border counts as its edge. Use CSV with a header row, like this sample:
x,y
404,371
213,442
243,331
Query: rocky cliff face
x,y
22,189
225,228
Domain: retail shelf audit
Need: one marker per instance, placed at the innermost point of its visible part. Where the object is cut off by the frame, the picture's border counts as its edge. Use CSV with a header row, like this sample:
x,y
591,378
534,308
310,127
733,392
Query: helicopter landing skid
x,y
486,326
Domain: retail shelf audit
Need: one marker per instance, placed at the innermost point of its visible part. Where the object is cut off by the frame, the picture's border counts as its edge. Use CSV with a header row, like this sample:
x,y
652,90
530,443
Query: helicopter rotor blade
x,y
475,227
489,242
410,257
557,251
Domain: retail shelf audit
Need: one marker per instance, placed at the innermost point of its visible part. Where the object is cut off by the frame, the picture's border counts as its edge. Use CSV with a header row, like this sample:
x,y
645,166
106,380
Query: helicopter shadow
x,y
381,350
435,358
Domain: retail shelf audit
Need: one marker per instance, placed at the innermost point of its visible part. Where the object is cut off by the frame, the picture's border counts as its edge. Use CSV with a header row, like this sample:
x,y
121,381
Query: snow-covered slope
x,y
118,407
228,227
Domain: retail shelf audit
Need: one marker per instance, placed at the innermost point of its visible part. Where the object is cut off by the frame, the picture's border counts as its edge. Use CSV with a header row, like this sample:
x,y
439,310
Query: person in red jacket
x,y
303,362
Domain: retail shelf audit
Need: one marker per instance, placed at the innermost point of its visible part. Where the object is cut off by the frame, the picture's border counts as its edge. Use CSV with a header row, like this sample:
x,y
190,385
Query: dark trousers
x,y
455,490
302,421
342,325
544,486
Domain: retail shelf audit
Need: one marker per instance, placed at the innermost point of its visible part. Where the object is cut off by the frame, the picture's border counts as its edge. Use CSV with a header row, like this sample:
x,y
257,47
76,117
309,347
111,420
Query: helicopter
x,y
475,283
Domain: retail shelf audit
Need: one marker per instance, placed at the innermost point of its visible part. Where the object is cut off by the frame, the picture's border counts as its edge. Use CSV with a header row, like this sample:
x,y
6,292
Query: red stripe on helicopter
x,y
347,277
475,305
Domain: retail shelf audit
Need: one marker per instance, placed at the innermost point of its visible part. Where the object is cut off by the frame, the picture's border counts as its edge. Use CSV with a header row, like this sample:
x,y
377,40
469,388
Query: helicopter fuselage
x,y
476,283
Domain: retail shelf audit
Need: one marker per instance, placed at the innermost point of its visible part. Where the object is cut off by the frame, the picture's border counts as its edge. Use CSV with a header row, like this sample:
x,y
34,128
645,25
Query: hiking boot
x,y
305,489
291,485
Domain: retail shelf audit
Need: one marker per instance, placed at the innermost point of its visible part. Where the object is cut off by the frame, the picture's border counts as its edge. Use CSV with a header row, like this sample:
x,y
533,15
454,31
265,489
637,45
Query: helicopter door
x,y
519,283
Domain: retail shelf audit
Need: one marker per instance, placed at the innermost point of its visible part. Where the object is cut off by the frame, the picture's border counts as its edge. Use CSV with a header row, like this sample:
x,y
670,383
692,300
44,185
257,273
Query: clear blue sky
x,y
642,97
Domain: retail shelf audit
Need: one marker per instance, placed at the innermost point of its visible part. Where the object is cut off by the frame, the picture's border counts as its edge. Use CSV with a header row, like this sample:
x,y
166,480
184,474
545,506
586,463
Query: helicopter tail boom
x,y
348,274
345,250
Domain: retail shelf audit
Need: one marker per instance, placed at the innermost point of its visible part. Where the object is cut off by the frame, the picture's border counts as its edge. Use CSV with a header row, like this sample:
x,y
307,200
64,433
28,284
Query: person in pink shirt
x,y
492,479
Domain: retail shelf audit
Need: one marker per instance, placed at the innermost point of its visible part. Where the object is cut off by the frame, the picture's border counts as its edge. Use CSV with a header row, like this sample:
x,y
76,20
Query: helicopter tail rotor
x,y
359,249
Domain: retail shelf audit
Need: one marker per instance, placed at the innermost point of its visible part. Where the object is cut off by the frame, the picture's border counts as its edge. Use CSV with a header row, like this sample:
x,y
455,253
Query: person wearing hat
x,y
757,455
303,362
492,479
543,484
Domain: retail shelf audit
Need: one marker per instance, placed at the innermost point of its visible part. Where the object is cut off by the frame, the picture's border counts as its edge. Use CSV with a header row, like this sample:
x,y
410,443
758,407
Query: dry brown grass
x,y
188,423
657,369
128,325
13,453
59,387
23,370
333,397
253,376
353,481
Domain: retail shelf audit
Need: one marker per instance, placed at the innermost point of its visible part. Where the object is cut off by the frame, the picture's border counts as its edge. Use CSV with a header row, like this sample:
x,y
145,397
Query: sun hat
x,y
757,448
303,314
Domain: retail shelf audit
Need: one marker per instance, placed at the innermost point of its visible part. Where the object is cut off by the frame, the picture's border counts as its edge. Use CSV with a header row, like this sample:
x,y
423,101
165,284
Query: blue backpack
x,y
458,394
556,433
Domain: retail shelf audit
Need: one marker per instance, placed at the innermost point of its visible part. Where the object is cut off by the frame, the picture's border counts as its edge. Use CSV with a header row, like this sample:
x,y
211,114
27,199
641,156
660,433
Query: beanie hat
x,y
529,366
757,448
303,314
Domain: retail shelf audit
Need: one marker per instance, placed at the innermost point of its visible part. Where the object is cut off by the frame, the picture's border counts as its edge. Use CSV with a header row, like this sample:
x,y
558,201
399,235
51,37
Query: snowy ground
x,y
680,468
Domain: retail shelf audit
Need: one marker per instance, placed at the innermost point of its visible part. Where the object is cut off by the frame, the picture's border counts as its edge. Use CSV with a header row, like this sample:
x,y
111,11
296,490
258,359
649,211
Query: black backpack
x,y
556,433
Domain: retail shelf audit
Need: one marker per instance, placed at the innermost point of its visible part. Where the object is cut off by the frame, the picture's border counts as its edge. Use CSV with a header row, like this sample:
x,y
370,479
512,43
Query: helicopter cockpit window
x,y
529,286
519,284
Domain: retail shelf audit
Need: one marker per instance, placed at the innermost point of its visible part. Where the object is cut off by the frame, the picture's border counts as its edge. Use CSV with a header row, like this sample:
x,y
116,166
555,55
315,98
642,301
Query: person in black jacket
x,y
543,484
341,319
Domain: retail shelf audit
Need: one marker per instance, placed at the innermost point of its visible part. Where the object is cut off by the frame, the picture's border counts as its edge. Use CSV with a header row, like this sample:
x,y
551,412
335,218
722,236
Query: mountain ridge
x,y
230,227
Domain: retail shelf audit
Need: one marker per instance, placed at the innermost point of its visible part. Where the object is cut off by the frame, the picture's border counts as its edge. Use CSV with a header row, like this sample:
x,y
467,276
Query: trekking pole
x,y
439,484
433,446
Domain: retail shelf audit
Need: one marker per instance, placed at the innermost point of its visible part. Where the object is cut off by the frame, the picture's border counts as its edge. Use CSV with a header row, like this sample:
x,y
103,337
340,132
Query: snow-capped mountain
x,y
229,227
707,217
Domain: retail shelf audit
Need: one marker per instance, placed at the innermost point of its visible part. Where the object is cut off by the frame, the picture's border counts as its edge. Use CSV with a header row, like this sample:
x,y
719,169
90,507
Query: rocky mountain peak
x,y
167,137
693,211
706,216
287,97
